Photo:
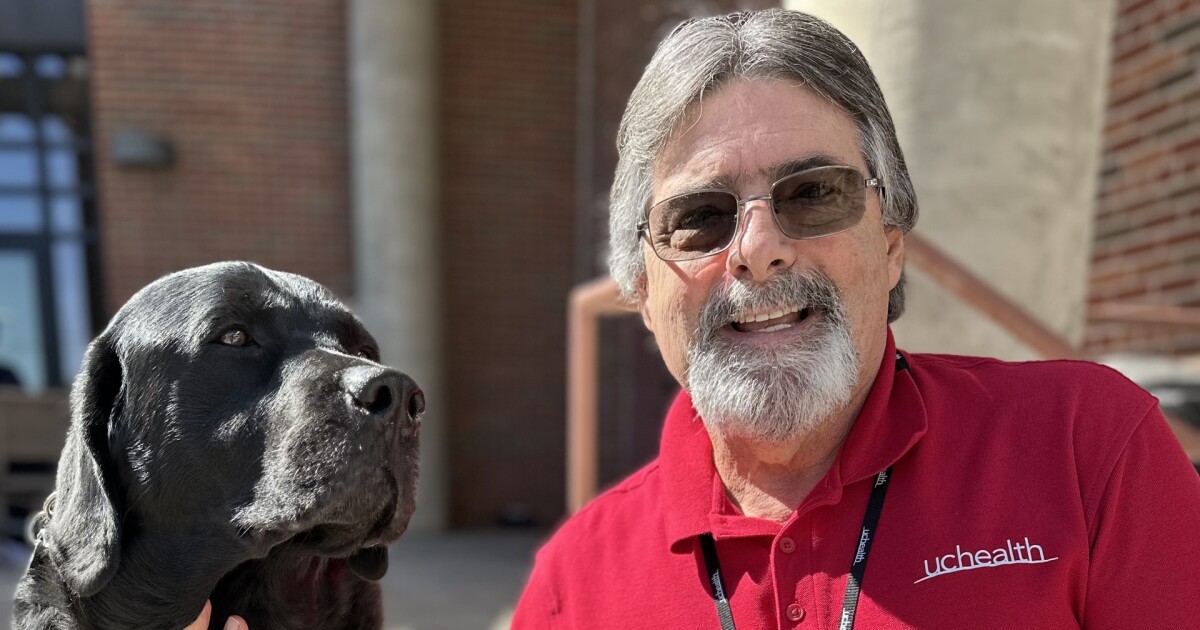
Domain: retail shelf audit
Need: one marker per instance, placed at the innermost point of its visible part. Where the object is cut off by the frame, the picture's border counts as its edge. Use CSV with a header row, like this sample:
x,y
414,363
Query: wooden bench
x,y
32,432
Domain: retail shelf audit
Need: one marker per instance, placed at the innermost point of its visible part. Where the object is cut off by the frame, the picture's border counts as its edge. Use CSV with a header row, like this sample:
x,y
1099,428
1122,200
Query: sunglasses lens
x,y
819,202
812,203
692,225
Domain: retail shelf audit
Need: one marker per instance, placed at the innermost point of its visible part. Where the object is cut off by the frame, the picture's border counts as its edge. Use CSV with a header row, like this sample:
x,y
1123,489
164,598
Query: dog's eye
x,y
367,353
235,337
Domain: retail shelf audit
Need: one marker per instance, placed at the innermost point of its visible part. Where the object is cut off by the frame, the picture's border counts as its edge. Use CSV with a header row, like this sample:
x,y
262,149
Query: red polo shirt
x,y
1023,495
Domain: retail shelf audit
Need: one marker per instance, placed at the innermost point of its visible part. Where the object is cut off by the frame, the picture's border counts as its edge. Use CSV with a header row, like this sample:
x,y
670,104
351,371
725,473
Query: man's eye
x,y
815,191
697,218
235,337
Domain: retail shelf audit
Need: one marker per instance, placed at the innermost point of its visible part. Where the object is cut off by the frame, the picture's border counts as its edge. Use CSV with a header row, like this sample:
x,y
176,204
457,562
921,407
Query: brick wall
x,y
252,96
1147,232
507,141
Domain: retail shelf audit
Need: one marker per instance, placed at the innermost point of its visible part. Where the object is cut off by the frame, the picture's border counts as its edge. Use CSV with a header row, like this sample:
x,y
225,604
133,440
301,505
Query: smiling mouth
x,y
764,322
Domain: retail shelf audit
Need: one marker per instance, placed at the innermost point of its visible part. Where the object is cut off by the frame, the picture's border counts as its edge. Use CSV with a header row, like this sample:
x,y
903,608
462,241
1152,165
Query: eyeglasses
x,y
808,204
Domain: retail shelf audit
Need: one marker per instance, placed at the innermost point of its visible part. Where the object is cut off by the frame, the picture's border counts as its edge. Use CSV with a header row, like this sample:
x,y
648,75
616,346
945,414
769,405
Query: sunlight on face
x,y
739,137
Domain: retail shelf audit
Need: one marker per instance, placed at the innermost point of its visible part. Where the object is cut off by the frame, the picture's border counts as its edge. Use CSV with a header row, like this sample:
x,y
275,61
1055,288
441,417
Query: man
x,y
809,474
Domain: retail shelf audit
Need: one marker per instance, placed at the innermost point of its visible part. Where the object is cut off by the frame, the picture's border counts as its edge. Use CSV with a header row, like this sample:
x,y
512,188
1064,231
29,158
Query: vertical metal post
x,y
588,302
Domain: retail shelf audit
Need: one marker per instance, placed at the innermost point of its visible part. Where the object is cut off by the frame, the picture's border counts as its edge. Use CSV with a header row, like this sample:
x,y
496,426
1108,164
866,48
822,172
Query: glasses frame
x,y
643,231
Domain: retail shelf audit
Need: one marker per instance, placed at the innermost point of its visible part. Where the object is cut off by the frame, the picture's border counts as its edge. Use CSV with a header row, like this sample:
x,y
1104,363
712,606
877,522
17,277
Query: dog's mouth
x,y
348,530
391,504
375,514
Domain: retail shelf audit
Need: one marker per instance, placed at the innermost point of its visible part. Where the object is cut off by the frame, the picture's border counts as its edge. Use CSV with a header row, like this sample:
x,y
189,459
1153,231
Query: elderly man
x,y
810,475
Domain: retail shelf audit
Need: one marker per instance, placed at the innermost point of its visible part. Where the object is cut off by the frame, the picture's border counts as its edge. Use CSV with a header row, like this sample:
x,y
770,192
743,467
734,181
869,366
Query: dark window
x,y
48,289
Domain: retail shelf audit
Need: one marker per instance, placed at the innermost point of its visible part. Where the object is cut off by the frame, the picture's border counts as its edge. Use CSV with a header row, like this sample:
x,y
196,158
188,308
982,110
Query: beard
x,y
769,394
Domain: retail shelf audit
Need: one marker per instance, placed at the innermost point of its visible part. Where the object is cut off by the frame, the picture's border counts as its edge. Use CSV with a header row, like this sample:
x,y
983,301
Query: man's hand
x,y
201,622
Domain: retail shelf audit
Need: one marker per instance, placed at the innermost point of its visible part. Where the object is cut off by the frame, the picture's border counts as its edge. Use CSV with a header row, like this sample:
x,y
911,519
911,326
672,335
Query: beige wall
x,y
998,106
393,115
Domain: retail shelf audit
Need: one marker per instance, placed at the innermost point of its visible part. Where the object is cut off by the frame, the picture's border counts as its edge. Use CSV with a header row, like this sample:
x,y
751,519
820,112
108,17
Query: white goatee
x,y
770,394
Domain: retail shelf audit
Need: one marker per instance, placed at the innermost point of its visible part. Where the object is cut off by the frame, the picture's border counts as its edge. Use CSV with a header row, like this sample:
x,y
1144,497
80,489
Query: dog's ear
x,y
84,532
369,563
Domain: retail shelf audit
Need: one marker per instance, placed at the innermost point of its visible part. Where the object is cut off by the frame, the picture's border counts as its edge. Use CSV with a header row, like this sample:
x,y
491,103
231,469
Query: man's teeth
x,y
762,317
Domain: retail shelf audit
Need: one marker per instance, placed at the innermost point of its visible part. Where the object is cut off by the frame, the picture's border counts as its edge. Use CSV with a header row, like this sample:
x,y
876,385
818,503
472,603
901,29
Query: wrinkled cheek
x,y
676,295
675,338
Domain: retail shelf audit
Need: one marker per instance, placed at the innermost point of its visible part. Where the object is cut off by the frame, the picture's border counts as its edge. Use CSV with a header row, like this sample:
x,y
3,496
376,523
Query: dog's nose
x,y
385,394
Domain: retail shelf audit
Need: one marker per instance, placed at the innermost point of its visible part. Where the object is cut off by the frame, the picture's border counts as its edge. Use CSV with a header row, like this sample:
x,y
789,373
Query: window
x,y
47,219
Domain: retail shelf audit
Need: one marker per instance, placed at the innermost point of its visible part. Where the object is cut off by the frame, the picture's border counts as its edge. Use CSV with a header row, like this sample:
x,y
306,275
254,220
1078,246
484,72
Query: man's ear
x,y
642,294
894,237
83,534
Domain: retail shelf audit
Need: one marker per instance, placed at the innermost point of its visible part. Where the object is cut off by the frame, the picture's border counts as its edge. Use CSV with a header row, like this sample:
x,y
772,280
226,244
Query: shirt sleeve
x,y
1145,536
538,604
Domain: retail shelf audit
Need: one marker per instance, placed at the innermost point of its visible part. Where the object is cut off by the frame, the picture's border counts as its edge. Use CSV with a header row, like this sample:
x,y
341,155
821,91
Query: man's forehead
x,y
771,172
755,129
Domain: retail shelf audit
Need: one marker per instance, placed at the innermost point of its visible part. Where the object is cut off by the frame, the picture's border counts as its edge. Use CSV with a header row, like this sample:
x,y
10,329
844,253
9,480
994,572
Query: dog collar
x,y
37,524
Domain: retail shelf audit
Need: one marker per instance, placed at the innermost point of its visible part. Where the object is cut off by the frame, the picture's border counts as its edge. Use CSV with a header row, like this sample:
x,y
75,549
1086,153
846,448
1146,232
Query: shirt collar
x,y
891,421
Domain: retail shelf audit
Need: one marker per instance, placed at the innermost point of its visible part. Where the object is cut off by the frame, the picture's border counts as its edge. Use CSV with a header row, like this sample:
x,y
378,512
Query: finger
x,y
201,622
236,623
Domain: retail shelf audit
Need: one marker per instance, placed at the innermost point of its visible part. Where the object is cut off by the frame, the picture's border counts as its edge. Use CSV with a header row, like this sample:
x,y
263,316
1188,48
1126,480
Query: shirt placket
x,y
803,606
792,559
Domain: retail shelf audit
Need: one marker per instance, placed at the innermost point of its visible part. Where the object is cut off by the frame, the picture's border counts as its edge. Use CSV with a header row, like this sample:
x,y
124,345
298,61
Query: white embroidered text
x,y
1011,553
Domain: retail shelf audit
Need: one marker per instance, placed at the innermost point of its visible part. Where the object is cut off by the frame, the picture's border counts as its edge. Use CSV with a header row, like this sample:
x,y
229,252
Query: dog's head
x,y
235,409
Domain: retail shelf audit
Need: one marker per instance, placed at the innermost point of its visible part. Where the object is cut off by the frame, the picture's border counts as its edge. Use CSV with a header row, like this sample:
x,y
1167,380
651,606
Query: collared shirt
x,y
1023,495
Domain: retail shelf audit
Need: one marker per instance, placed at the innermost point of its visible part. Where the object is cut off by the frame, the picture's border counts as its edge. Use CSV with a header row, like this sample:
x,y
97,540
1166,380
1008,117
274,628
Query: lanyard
x,y
858,566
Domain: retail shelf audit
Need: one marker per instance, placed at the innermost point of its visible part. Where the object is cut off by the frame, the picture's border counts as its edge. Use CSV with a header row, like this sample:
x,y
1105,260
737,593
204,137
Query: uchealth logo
x,y
1011,553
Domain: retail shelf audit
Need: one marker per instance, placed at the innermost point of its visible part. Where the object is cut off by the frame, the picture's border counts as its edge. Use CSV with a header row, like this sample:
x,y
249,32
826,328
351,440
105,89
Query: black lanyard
x,y
858,567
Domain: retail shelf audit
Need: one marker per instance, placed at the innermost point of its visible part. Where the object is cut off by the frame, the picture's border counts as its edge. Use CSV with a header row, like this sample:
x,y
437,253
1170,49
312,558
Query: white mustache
x,y
791,291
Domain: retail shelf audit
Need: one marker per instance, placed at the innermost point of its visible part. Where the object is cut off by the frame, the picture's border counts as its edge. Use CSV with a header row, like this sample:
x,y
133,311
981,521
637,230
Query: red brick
x,y
1147,247
252,97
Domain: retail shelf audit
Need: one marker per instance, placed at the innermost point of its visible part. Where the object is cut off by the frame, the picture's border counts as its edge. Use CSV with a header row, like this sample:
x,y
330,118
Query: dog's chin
x,y
359,508
344,530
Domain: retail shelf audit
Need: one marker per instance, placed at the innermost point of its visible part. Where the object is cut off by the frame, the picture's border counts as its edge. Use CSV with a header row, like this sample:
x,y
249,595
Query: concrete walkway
x,y
456,581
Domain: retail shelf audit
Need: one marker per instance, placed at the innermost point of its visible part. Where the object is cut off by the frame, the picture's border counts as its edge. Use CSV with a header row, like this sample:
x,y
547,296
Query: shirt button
x,y
795,612
787,545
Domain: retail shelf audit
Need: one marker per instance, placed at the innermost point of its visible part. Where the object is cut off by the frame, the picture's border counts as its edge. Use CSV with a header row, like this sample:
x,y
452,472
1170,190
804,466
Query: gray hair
x,y
699,57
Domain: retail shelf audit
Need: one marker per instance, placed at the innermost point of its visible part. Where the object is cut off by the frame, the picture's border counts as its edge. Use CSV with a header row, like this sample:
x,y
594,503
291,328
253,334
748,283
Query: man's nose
x,y
759,249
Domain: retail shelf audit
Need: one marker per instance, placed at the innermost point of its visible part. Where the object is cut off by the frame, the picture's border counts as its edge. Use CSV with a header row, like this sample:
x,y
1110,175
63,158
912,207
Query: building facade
x,y
141,137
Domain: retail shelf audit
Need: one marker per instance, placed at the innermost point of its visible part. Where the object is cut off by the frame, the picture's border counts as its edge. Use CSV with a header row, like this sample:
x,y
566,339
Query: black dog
x,y
233,438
